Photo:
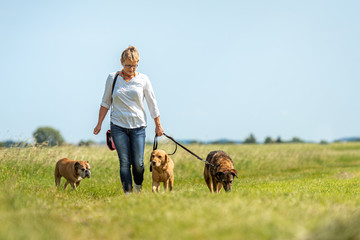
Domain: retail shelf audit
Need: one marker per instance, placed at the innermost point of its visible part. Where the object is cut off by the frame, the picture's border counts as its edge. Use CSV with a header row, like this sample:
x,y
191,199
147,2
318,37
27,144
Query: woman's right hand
x,y
102,114
97,129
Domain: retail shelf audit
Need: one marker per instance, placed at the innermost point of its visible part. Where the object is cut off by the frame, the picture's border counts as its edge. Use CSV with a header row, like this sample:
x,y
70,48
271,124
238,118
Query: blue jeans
x,y
130,145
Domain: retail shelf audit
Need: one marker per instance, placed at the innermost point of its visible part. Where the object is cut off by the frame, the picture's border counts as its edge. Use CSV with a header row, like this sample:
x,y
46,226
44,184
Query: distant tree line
x,y
268,140
10,143
44,136
86,143
48,136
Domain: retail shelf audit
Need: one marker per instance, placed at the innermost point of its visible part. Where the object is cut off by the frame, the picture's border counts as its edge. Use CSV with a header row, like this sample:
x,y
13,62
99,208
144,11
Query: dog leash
x,y
177,143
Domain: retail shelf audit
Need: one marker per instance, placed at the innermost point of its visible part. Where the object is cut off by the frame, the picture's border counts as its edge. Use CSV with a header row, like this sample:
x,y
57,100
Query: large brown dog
x,y
162,170
72,171
220,172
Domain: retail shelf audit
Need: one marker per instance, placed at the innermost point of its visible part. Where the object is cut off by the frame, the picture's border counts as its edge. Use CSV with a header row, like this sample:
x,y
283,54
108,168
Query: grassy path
x,y
298,191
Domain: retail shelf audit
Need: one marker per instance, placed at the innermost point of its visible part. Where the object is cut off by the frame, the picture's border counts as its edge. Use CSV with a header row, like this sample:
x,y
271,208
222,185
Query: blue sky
x,y
219,69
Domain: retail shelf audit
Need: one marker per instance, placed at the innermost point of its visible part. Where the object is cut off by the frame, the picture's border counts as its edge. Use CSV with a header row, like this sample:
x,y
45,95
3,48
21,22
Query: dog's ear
x,y
166,161
234,172
77,165
151,155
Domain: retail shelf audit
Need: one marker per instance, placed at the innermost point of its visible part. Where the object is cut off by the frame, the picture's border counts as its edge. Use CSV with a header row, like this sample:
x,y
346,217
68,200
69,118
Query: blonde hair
x,y
130,53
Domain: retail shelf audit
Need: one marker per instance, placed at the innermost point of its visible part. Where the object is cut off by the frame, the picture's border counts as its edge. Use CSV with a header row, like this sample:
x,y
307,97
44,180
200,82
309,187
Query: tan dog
x,y
72,171
162,170
221,173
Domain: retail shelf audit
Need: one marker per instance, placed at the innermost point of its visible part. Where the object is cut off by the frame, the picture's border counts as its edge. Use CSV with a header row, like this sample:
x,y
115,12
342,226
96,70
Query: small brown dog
x,y
221,173
162,170
72,171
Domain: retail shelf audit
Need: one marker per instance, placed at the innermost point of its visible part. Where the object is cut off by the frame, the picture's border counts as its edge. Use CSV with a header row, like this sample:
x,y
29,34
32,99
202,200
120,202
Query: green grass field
x,y
290,191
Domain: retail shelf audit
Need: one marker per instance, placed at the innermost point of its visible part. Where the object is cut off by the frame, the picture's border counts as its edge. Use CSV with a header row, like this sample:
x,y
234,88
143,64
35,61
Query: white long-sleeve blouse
x,y
128,100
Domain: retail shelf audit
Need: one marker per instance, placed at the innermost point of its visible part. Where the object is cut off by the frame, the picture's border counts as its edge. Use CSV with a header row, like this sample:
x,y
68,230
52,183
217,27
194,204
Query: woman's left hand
x,y
158,129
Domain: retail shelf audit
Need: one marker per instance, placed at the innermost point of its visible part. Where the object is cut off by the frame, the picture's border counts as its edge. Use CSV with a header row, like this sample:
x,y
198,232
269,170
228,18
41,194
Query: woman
x,y
128,119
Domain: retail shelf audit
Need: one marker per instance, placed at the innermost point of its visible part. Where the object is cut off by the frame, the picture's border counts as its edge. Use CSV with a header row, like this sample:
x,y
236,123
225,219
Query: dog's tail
x,y
57,176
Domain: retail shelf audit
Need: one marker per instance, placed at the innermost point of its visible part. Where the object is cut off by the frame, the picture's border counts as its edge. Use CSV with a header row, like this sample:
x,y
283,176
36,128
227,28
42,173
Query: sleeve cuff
x,y
105,105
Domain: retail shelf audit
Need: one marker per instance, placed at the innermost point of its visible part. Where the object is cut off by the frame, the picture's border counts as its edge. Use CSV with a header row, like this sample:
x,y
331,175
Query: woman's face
x,y
129,67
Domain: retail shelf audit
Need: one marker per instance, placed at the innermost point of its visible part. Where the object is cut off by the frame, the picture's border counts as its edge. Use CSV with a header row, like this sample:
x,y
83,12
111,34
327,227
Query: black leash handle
x,y
155,145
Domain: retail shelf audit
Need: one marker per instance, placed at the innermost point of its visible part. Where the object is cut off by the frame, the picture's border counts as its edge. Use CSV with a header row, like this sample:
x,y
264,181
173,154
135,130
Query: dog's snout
x,y
87,173
227,188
